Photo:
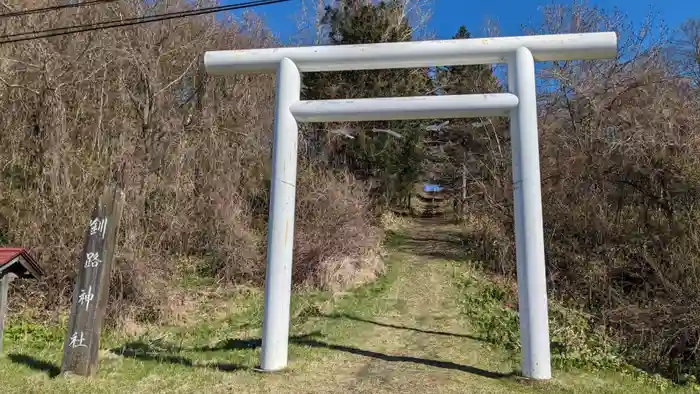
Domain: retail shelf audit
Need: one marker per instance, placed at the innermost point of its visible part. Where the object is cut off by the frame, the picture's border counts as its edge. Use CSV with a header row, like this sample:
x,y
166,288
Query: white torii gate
x,y
520,53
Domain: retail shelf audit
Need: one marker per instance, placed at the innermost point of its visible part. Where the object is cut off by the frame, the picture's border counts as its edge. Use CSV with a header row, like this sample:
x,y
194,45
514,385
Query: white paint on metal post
x,y
519,52
529,236
280,237
414,54
401,108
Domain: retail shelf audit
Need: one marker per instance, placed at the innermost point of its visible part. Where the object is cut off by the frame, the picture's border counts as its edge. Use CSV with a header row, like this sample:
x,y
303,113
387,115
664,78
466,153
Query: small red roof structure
x,y
19,262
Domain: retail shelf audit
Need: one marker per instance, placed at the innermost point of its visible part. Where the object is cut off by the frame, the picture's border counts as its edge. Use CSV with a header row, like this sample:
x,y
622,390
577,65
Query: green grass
x,y
429,325
492,311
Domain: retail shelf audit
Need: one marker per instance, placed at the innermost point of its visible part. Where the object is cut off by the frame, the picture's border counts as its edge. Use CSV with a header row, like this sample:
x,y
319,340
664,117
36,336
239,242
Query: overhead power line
x,y
53,8
61,31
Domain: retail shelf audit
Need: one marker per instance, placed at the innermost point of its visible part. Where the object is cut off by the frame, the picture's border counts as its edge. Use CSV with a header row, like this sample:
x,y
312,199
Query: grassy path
x,y
402,334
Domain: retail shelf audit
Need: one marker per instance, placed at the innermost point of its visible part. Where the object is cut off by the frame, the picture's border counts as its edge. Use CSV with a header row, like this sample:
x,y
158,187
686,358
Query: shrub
x,y
338,239
621,191
134,105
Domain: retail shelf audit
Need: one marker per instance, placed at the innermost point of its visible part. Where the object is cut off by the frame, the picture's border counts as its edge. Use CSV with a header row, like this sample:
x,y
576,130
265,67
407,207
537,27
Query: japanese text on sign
x,y
77,340
98,226
92,260
86,297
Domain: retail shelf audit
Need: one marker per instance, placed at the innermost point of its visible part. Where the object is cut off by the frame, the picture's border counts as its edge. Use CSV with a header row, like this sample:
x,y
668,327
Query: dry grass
x,y
339,240
620,159
392,222
403,333
620,187
134,105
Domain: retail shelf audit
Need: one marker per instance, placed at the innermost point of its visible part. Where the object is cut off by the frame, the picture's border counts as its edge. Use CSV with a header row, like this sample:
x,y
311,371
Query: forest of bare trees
x,y
620,163
134,105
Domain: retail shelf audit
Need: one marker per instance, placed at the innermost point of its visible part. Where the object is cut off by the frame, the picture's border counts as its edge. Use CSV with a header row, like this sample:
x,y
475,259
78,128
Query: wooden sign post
x,y
91,290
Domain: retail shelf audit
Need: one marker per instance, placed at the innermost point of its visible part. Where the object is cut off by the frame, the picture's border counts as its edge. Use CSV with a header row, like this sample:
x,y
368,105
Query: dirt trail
x,y
405,336
417,340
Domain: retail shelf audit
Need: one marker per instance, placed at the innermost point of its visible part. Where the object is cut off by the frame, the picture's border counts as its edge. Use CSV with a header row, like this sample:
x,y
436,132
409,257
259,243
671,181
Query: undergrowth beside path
x,y
422,328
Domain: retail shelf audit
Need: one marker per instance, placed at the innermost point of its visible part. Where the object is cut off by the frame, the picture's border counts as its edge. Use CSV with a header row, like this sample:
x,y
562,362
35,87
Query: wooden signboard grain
x,y
91,289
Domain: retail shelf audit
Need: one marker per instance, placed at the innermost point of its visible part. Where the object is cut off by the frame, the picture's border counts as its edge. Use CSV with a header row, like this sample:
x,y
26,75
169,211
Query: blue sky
x,y
448,15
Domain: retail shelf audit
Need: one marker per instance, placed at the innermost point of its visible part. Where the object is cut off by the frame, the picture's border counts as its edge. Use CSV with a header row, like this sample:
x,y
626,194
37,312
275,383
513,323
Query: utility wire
x,y
53,8
37,34
131,21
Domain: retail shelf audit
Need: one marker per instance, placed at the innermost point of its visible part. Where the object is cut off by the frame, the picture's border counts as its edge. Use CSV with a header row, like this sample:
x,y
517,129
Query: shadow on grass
x,y
49,368
141,351
434,239
167,353
233,344
442,247
144,352
405,359
431,332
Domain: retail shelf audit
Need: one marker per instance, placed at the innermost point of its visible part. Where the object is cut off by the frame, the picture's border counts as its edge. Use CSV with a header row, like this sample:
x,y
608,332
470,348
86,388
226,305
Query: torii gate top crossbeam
x,y
414,54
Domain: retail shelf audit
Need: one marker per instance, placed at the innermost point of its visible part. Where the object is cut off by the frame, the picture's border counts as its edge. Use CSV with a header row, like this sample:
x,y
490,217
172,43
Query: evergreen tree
x,y
368,149
459,148
466,79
